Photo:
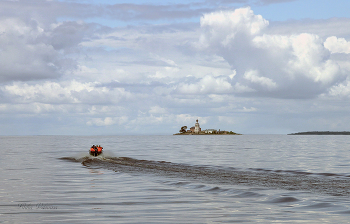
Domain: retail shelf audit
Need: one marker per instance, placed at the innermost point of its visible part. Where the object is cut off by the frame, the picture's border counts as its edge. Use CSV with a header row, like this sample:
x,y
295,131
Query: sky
x,y
116,67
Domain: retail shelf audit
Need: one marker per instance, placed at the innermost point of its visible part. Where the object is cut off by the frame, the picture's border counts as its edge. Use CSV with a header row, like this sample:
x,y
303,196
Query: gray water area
x,y
175,179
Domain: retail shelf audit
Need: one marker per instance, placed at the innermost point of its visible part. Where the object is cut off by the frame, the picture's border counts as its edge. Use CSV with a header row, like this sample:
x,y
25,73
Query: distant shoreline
x,y
322,133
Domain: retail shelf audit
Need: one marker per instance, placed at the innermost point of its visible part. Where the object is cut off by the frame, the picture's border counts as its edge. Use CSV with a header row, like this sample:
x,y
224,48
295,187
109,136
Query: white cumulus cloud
x,y
253,76
292,66
337,45
206,85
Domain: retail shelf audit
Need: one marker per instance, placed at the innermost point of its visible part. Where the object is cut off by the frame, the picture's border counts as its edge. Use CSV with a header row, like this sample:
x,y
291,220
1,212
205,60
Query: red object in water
x,y
95,150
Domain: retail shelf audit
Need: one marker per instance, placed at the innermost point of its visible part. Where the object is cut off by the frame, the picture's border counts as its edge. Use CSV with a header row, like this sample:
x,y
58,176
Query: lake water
x,y
175,179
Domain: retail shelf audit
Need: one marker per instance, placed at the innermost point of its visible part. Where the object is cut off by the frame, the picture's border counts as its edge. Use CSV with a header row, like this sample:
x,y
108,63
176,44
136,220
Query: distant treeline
x,y
322,133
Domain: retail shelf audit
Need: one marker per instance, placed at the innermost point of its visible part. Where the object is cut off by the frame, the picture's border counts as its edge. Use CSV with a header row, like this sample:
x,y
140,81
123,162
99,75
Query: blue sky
x,y
304,9
281,11
149,67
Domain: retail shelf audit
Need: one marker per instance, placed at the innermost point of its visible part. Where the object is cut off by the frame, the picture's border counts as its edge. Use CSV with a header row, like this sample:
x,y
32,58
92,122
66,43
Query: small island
x,y
196,130
322,133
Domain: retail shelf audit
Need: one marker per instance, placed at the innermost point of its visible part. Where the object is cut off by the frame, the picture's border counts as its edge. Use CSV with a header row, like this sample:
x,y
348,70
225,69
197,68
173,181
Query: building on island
x,y
197,128
209,131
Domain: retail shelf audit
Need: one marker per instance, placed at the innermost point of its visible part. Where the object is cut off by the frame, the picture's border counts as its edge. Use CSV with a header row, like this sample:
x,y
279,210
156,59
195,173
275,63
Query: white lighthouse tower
x,y
197,128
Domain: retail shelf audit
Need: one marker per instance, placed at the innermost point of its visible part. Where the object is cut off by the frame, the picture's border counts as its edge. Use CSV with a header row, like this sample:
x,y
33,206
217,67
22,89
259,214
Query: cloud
x,y
68,34
29,51
72,92
323,28
137,68
221,28
50,10
22,57
267,2
157,110
206,85
250,2
287,66
337,45
253,76
252,109
155,12
107,121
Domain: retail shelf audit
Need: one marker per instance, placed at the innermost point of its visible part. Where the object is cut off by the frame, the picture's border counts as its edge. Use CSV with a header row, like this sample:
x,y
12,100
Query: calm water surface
x,y
175,179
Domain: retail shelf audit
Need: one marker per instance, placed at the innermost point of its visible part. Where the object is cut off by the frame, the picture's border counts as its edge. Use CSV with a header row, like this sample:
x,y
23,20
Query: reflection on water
x,y
175,179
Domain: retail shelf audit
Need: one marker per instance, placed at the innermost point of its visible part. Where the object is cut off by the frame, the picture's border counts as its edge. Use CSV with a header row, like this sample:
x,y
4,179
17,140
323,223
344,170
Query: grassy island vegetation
x,y
203,133
196,130
192,131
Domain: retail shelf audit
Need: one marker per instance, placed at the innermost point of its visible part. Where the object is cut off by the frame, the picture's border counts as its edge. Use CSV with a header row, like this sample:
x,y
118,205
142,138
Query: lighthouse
x,y
197,128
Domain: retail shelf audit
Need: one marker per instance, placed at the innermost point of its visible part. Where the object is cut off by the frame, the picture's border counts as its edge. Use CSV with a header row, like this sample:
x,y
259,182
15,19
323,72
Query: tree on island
x,y
183,129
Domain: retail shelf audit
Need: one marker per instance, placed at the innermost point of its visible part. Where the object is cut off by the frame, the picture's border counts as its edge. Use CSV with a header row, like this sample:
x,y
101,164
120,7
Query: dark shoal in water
x,y
324,183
